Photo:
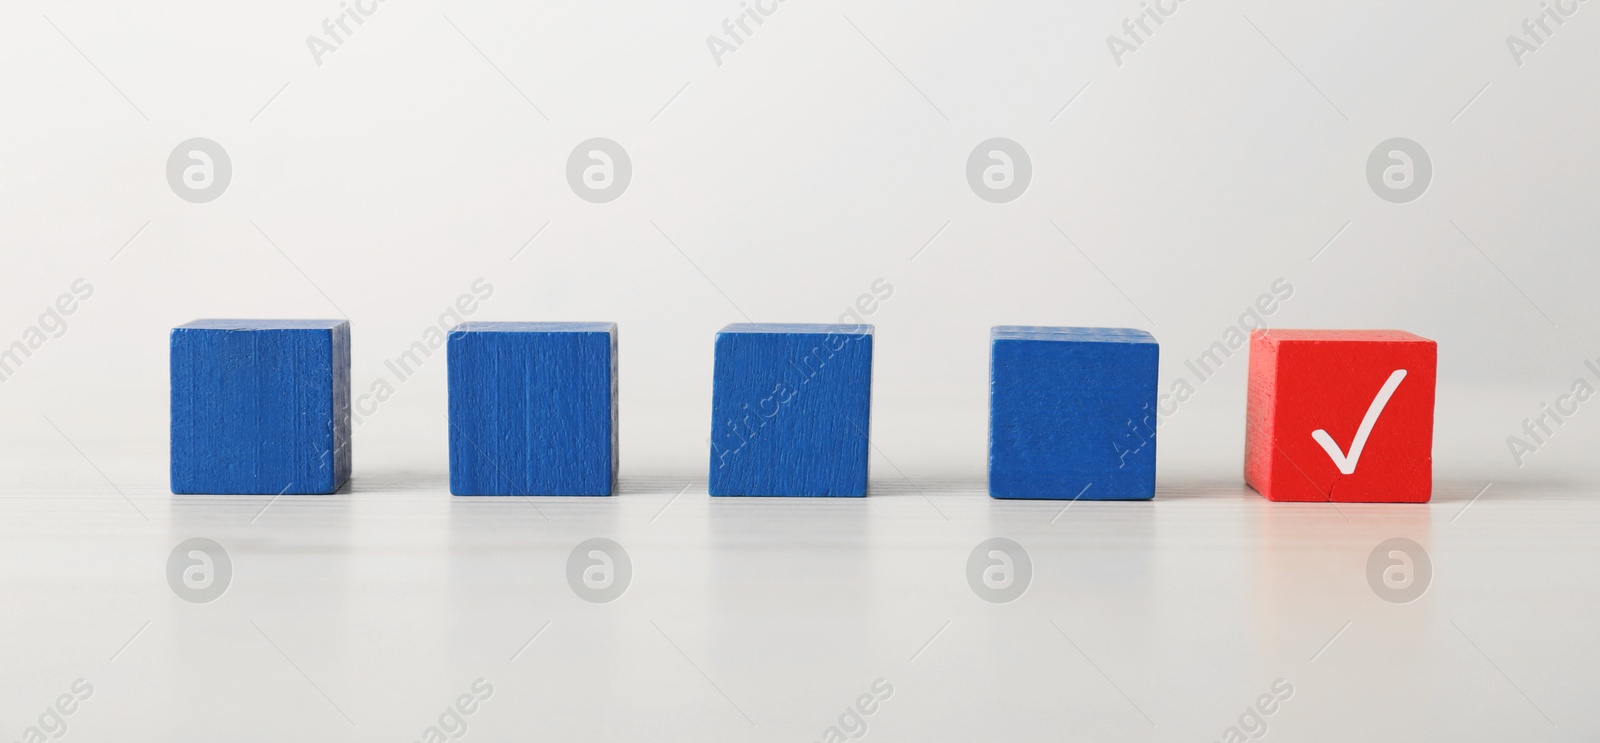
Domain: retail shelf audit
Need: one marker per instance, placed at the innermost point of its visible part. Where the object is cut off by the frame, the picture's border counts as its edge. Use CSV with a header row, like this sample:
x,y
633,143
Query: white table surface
x,y
363,615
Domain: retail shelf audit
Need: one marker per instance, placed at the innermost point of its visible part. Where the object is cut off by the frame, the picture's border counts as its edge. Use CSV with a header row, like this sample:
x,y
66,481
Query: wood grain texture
x,y
790,410
1072,413
533,408
1303,381
260,406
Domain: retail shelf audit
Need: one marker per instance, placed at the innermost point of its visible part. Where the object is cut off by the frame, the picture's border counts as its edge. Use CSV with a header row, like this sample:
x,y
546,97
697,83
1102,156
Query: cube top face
x,y
1341,416
212,324
533,408
797,328
535,327
790,410
1316,335
1083,335
1072,413
260,406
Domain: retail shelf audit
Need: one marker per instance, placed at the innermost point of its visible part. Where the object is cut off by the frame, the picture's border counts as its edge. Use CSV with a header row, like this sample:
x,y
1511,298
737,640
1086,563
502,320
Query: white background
x,y
821,156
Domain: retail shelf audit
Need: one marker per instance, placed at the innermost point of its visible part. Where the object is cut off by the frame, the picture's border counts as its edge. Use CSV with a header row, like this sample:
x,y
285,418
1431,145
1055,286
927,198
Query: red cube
x,y
1341,416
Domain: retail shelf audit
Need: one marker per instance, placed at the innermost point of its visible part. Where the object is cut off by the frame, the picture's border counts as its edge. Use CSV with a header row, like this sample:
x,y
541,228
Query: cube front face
x,y
1072,413
533,408
260,407
1341,416
790,408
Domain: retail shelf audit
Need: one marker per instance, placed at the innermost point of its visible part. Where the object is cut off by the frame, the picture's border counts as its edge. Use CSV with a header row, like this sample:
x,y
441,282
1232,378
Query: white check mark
x,y
1347,463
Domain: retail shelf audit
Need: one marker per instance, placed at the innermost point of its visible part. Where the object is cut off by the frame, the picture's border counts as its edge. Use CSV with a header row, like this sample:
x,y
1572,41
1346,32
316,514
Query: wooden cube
x,y
789,411
260,406
533,408
1340,416
1072,413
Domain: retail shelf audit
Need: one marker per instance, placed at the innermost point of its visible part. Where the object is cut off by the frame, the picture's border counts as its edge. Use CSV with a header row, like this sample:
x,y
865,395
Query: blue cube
x,y
533,408
1072,413
789,410
260,406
